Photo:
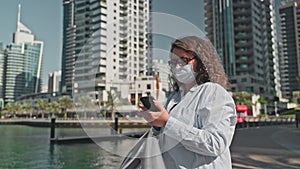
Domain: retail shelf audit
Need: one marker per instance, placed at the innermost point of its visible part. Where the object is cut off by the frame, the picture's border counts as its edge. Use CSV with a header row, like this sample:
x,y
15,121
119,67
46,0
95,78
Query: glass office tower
x,y
22,64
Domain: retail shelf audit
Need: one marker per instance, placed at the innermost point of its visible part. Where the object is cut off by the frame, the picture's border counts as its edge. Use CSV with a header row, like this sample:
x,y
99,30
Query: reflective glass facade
x,y
22,67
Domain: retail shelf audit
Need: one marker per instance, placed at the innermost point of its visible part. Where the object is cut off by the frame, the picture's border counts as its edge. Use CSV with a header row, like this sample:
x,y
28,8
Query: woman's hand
x,y
157,119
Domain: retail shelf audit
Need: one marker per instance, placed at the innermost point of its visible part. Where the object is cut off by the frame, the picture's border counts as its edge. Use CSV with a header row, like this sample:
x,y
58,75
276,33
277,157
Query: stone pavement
x,y
269,147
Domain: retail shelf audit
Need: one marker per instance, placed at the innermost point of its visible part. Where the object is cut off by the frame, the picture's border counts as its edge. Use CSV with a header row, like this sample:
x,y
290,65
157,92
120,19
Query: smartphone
x,y
148,103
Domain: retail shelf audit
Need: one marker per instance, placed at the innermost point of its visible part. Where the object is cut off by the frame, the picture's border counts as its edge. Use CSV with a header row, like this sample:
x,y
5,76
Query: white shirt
x,y
200,129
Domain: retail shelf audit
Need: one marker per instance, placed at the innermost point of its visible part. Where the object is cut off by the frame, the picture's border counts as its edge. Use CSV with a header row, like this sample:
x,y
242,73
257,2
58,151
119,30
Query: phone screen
x,y
148,103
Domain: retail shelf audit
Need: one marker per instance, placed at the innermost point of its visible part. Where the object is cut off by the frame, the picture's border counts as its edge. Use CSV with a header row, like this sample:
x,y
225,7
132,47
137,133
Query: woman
x,y
196,127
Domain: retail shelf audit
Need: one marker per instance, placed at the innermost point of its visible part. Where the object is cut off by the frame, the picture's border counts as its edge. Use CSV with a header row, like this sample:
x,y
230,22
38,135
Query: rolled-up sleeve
x,y
218,118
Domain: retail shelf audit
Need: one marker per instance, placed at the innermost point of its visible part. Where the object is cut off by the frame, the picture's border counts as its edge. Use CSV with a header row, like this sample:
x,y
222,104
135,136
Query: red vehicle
x,y
241,111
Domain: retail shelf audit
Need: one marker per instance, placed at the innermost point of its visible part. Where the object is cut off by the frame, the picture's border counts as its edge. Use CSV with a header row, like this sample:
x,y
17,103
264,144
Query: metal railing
x,y
265,121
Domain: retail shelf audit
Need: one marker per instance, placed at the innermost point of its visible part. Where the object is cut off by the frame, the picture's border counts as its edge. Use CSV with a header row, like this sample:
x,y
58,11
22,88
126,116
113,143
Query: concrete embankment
x,y
76,123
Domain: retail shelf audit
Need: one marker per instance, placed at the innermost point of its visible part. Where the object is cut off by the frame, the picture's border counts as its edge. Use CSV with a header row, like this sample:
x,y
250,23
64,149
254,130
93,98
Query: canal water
x,y
25,147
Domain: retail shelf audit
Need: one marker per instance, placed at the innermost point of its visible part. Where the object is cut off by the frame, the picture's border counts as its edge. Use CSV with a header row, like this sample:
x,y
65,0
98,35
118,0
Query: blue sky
x,y
44,18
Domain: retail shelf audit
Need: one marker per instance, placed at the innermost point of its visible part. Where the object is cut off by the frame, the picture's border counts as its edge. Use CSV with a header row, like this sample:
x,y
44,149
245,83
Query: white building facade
x,y
54,81
111,46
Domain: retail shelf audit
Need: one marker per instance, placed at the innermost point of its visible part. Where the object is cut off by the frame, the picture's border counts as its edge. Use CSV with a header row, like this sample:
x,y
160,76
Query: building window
x,y
233,89
244,79
244,57
244,66
249,89
148,86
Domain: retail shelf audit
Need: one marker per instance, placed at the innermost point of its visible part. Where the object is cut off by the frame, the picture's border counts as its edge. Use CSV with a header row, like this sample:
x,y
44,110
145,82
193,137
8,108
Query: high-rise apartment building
x,y
105,45
290,48
68,50
244,34
22,64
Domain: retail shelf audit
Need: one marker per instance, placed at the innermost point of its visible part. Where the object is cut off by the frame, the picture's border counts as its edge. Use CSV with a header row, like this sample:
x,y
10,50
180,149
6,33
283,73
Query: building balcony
x,y
123,56
123,73
242,12
208,6
209,22
102,62
239,36
102,69
243,44
141,65
123,43
245,4
123,63
141,5
242,28
100,82
123,70
244,61
142,43
122,48
141,57
123,6
123,35
245,20
123,53
248,52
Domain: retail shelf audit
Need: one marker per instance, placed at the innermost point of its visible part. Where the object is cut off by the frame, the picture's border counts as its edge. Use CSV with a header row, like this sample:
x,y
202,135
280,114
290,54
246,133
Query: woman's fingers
x,y
142,107
139,113
159,106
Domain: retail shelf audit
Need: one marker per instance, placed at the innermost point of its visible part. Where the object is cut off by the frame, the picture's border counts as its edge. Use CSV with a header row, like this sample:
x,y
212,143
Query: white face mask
x,y
184,74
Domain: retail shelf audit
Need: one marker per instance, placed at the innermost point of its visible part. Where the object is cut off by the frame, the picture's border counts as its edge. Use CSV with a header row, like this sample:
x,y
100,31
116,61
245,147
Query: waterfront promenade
x,y
268,147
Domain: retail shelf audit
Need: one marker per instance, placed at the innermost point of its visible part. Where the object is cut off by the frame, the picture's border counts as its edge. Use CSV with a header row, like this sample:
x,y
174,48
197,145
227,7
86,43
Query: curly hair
x,y
209,66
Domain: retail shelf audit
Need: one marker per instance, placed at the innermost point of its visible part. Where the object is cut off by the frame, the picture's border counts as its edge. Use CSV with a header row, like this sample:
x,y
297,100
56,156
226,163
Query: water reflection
x,y
29,147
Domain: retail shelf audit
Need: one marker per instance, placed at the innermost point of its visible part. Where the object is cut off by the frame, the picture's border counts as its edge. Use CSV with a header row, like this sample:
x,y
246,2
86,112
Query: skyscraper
x,y
110,48
244,34
54,82
22,64
290,47
68,49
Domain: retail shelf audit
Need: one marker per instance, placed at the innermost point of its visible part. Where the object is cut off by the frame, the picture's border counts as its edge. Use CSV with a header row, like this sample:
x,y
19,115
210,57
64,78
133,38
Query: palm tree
x,y
112,99
243,98
27,108
53,107
263,102
85,104
66,103
13,108
42,106
9,108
